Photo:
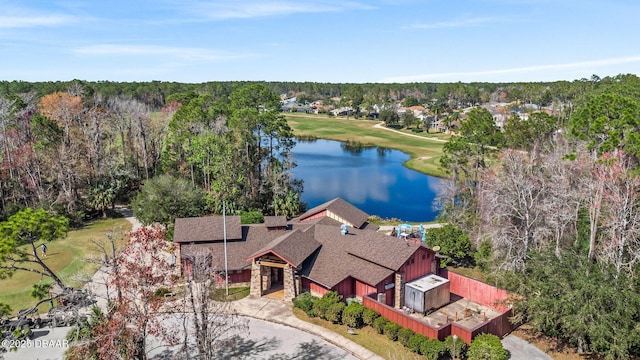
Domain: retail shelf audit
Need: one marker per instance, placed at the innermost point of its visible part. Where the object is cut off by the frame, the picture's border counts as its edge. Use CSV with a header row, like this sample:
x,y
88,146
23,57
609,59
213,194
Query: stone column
x,y
256,280
399,291
289,283
265,272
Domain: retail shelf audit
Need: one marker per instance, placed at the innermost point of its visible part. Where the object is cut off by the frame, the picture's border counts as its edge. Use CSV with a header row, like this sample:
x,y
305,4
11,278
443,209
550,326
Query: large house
x,y
331,247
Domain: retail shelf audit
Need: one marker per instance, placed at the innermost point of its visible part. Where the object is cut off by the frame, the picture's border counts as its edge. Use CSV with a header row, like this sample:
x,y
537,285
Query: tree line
x,y
76,151
554,206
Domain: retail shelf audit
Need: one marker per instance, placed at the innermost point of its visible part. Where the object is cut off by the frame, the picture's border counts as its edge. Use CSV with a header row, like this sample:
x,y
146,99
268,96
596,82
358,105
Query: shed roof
x,y
428,282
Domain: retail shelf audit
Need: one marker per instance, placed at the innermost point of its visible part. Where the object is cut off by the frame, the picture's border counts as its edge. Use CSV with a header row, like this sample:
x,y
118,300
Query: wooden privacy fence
x,y
405,320
462,286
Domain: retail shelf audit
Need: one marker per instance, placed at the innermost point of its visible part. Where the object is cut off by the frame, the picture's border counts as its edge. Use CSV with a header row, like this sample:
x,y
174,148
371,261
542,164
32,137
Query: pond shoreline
x,y
424,152
372,178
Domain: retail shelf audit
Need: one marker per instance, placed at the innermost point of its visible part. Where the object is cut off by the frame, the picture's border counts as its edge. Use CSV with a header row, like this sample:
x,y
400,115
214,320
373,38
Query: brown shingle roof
x,y
275,221
341,208
294,247
363,254
254,237
326,256
208,228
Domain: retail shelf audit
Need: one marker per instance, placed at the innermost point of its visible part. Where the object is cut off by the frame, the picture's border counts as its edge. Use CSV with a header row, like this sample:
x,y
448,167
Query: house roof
x,y
356,254
254,237
275,221
293,247
208,228
341,208
316,246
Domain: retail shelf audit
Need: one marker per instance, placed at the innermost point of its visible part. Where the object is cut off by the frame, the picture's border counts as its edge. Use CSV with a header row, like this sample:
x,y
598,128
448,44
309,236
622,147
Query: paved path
x,y
523,350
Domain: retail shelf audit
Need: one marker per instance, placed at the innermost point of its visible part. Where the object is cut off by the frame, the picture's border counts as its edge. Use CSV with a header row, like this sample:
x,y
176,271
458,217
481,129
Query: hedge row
x,y
330,307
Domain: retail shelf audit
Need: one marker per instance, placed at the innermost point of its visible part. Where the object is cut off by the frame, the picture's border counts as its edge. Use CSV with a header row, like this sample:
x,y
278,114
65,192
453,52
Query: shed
x,y
426,293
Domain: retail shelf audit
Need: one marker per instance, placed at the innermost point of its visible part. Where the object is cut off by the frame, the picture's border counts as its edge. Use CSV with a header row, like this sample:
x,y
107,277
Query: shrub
x,y
161,292
487,346
432,349
404,335
352,315
484,254
322,305
457,349
391,330
415,341
334,313
305,302
379,323
369,316
251,217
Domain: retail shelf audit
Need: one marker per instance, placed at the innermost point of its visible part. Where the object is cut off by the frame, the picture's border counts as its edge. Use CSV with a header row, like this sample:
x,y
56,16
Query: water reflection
x,y
369,177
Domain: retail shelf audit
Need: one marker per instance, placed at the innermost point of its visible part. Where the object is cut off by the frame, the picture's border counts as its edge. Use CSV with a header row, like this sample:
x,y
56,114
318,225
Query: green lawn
x,y
66,257
425,154
235,293
366,337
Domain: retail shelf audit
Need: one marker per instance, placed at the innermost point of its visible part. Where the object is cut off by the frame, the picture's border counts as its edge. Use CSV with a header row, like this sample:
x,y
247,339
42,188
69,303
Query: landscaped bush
x,y
457,349
415,341
322,305
334,313
379,323
391,330
432,349
305,302
369,316
352,315
487,347
404,335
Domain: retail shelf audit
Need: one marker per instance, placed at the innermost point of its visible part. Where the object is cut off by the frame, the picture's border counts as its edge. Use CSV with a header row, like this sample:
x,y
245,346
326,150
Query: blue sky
x,y
323,41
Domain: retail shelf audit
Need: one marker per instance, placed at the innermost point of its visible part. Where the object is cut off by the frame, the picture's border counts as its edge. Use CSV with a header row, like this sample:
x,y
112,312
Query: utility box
x,y
426,293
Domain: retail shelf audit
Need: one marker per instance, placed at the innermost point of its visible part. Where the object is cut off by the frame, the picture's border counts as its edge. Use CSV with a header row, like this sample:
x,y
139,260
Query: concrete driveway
x,y
264,340
522,350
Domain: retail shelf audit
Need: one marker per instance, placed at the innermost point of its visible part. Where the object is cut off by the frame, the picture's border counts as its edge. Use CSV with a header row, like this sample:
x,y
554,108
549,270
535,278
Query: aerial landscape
x,y
405,179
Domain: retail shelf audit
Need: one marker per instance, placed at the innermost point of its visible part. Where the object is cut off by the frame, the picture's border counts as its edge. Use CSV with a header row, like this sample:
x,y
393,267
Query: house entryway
x,y
276,290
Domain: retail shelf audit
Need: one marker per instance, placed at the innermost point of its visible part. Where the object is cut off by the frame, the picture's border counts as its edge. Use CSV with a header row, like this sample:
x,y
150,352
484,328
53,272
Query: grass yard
x,y
235,293
366,337
66,257
425,154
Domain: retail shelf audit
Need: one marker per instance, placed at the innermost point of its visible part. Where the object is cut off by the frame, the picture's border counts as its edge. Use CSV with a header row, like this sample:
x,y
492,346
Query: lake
x,y
373,179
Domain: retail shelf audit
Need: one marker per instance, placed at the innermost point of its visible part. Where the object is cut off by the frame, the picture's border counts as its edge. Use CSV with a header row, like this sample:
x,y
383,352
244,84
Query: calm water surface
x,y
372,179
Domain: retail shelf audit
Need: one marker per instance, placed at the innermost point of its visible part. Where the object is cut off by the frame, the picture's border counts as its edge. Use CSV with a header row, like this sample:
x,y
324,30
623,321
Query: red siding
x,y
420,267
244,276
363,289
315,216
313,288
346,288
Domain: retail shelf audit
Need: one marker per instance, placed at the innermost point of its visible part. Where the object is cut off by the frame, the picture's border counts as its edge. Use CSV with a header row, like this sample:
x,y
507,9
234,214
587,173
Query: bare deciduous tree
x,y
215,324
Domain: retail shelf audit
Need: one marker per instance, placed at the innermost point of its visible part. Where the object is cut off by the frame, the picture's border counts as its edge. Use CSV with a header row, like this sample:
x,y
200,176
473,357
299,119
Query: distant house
x,y
308,253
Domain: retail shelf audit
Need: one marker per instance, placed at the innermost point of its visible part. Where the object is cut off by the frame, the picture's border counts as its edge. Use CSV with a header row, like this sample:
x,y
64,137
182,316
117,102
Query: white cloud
x,y
183,53
453,24
219,10
519,70
9,21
